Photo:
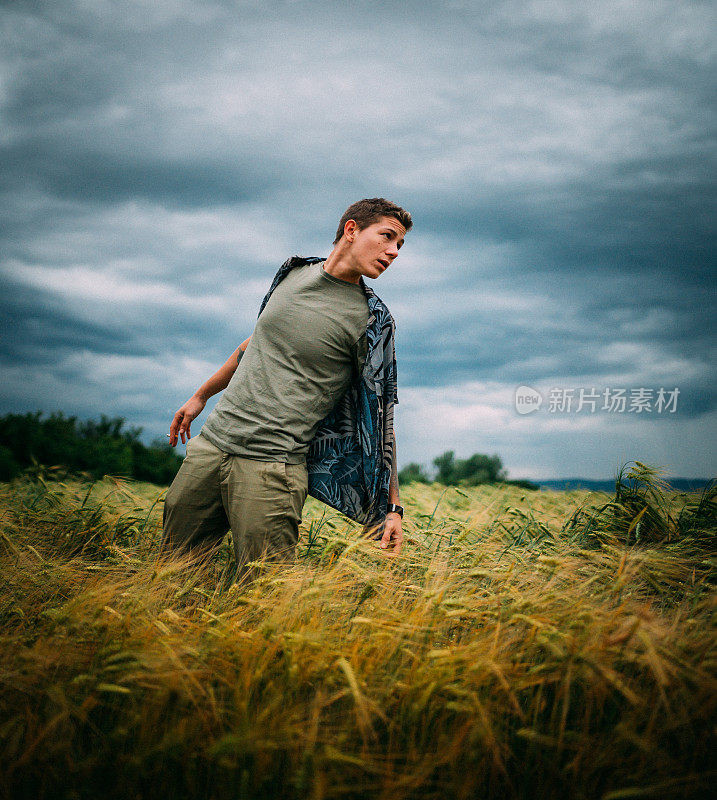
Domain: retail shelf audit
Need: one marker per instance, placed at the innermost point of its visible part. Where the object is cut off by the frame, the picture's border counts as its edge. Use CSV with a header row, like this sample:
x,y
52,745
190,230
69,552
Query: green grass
x,y
527,645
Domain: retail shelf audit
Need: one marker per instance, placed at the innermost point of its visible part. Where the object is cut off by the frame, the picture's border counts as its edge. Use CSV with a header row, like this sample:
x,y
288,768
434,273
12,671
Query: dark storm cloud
x,y
616,222
159,159
99,177
38,329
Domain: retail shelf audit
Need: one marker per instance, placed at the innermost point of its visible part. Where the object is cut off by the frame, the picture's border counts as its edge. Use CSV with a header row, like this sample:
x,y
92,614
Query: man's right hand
x,y
183,419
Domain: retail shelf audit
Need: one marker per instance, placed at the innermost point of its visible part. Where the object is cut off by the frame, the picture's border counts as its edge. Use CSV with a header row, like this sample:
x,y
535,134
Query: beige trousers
x,y
261,501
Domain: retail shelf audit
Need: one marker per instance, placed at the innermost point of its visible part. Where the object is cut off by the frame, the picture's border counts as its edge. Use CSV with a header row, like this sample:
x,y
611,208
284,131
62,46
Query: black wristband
x,y
394,509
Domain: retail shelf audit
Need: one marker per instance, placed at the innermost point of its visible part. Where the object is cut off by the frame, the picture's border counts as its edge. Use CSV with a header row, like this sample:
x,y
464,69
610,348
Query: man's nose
x,y
392,250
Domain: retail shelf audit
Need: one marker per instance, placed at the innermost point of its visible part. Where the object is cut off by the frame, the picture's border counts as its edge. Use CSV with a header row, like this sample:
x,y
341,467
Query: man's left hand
x,y
392,532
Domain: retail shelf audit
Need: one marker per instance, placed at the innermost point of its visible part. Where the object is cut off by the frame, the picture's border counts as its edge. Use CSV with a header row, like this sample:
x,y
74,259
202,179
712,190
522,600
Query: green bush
x,y
413,473
473,471
9,467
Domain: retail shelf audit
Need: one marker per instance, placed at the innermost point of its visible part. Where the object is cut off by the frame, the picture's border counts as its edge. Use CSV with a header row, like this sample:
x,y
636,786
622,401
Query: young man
x,y
308,407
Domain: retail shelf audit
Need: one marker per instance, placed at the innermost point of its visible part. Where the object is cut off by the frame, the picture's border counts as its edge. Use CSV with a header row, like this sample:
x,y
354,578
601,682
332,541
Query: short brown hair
x,y
366,212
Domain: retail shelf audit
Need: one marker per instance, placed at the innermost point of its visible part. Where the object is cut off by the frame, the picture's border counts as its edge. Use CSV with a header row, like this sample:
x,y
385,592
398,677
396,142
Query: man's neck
x,y
339,264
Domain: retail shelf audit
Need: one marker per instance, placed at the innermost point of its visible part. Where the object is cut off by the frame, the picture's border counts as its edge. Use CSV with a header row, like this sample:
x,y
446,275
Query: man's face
x,y
373,249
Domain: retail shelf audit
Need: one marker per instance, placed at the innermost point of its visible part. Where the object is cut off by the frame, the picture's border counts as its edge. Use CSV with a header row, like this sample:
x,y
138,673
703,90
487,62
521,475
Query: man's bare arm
x,y
393,525
181,423
393,496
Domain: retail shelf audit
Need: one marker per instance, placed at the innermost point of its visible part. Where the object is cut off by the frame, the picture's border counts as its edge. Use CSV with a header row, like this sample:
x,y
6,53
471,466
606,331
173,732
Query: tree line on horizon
x,y
475,470
106,447
95,448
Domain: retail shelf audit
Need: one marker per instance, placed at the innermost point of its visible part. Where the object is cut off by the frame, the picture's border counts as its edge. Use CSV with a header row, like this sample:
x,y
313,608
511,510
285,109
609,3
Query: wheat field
x,y
522,645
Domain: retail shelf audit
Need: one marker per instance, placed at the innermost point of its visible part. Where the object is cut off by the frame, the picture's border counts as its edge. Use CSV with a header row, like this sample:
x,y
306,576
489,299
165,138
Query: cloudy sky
x,y
160,158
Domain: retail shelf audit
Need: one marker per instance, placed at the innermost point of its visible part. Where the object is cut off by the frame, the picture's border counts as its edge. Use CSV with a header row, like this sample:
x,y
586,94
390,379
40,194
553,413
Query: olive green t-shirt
x,y
307,343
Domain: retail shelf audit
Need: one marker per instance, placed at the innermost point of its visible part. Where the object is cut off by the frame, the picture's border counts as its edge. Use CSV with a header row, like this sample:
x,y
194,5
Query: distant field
x,y
523,645
678,484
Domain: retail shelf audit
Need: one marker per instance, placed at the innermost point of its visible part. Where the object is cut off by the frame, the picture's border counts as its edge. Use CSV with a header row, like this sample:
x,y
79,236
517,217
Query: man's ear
x,y
350,229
